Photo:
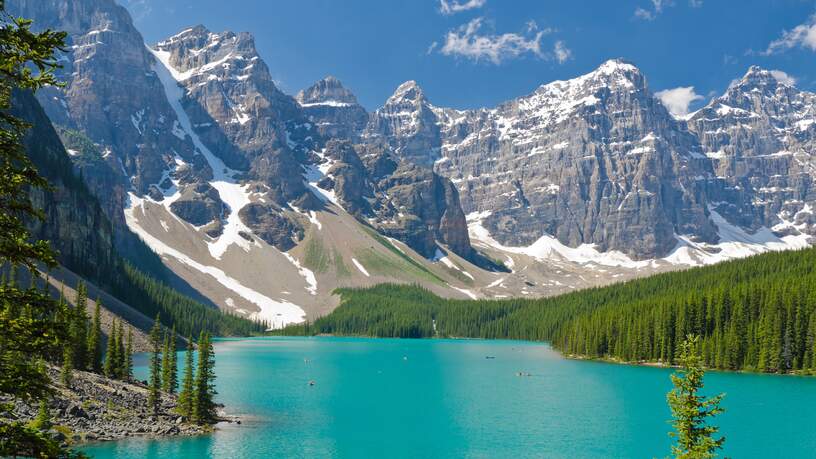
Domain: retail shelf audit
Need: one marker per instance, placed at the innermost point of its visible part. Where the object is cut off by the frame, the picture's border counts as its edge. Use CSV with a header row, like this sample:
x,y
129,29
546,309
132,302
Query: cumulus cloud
x,y
561,52
783,77
466,41
803,36
677,100
456,6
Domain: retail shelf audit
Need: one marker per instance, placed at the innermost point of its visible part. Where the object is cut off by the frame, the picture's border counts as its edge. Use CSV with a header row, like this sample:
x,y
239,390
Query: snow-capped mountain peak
x,y
328,91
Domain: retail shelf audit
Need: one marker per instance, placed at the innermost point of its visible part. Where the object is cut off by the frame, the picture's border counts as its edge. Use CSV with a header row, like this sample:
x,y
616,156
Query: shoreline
x,y
644,363
95,409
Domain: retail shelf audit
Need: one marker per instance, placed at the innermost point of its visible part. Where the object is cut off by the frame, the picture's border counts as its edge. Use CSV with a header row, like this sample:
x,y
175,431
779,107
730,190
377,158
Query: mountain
x,y
409,124
83,238
333,109
111,96
594,160
263,203
760,136
234,190
595,168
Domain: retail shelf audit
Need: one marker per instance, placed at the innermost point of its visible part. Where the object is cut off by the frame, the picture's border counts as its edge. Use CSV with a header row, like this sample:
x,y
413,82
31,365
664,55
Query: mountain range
x,y
263,203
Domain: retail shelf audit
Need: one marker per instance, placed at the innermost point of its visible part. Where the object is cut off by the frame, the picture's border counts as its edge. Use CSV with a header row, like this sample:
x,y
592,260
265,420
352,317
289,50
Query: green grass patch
x,y
422,270
317,258
340,268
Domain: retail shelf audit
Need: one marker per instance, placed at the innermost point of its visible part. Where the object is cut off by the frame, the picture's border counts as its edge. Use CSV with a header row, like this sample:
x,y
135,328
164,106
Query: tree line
x,y
754,314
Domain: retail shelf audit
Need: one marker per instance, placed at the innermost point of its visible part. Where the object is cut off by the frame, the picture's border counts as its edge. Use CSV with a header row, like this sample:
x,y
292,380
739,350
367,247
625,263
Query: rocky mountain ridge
x,y
264,202
598,161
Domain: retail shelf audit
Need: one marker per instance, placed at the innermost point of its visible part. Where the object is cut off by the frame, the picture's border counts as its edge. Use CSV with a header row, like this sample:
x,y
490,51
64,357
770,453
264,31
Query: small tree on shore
x,y
110,353
95,340
127,369
692,411
204,386
119,362
154,396
43,419
67,372
185,400
169,363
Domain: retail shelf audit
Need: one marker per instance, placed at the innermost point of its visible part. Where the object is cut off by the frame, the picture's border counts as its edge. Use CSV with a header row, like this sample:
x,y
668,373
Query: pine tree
x,y
154,396
94,348
127,370
169,363
79,328
119,363
67,372
110,353
43,420
204,387
165,367
185,400
691,411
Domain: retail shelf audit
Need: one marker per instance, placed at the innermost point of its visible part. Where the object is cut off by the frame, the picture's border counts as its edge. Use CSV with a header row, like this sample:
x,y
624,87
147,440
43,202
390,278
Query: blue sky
x,y
473,53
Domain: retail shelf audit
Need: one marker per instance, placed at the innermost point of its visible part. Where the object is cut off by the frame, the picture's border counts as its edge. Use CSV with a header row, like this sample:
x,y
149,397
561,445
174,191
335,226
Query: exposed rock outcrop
x,y
333,109
96,408
761,138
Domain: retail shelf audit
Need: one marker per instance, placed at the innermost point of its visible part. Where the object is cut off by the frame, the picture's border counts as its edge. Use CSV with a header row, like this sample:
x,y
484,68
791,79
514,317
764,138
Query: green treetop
x,y
692,411
94,350
204,384
154,397
185,400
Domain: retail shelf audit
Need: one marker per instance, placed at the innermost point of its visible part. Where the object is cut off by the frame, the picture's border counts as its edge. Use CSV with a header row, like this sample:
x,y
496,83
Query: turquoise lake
x,y
389,398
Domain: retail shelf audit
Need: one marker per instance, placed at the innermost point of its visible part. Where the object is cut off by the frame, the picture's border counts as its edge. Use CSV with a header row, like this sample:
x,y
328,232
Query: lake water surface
x,y
388,398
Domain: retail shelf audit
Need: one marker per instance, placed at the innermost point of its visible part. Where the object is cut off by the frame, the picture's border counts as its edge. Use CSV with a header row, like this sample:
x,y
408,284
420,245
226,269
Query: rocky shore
x,y
96,408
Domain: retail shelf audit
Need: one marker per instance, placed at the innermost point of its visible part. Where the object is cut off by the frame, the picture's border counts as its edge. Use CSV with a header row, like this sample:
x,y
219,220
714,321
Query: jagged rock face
x,y
408,123
270,225
594,160
333,109
423,208
349,178
238,111
199,205
760,135
111,95
405,201
73,223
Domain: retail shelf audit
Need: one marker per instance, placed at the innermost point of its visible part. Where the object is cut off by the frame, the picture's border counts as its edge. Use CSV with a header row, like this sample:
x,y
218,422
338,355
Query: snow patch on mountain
x,y
306,273
277,313
549,248
234,195
360,267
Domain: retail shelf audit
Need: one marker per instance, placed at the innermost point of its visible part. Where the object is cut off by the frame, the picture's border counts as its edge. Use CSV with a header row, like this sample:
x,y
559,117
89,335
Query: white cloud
x,y
677,100
455,6
657,8
561,52
644,14
696,3
532,26
803,35
783,77
465,41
